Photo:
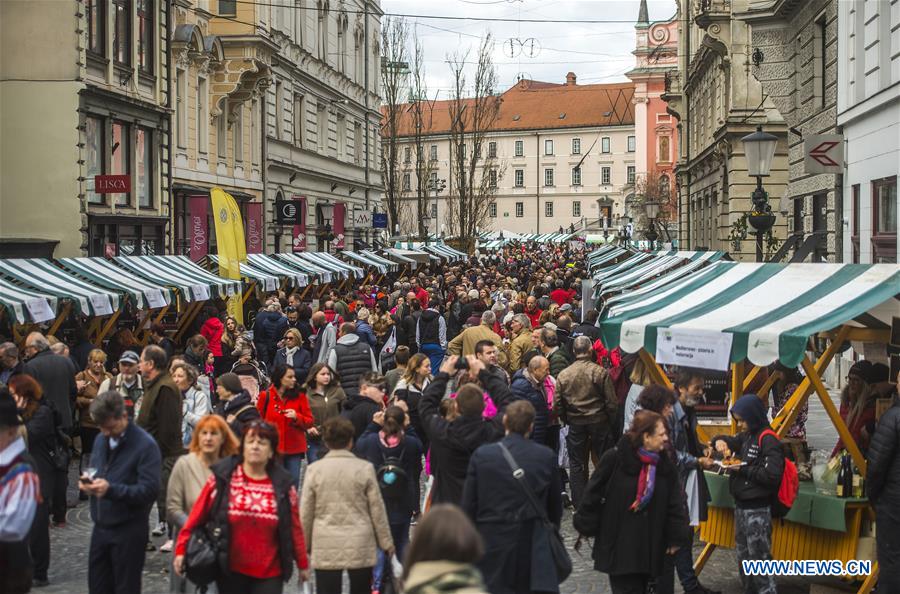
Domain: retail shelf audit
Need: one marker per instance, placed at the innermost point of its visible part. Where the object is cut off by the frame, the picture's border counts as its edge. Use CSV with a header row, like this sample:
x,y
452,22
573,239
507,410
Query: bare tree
x,y
657,187
421,112
394,76
473,171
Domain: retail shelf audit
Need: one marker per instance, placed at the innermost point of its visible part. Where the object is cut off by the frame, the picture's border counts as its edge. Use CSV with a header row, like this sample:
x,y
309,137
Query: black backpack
x,y
392,478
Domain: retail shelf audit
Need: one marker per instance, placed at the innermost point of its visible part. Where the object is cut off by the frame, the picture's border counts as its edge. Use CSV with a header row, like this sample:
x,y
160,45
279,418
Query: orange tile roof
x,y
535,105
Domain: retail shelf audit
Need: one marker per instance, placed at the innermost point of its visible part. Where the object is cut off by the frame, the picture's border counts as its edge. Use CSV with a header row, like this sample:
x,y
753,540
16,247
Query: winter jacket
x,y
519,345
409,451
195,406
454,442
523,387
87,394
631,542
325,406
344,517
268,328
883,468
40,427
585,395
412,396
189,475
291,432
688,449
241,406
160,414
301,362
464,343
212,330
408,324
351,359
558,361
431,328
359,410
366,333
56,375
132,395
585,329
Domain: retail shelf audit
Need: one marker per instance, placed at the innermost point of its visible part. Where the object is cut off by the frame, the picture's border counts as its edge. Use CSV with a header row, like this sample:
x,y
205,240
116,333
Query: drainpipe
x,y
264,172
537,162
366,77
169,141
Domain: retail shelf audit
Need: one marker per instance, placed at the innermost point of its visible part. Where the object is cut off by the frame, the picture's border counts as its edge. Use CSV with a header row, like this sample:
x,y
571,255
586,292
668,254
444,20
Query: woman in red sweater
x,y
287,407
265,534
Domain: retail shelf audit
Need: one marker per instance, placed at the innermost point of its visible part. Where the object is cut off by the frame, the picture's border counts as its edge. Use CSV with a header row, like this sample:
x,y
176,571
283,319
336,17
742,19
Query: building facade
x,y
558,155
718,101
796,45
868,112
95,101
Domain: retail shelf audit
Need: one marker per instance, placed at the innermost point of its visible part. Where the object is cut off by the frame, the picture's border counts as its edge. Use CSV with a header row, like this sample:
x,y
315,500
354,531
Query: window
x,y
96,26
605,176
254,131
94,145
548,209
341,137
576,146
119,160
519,175
358,143
884,228
322,129
492,178
461,154
222,134
237,134
202,116
492,210
342,45
854,223
631,144
432,180
520,148
548,147
492,150
819,41
143,145
520,209
576,208
279,109
299,22
299,119
604,144
407,154
576,176
629,172
145,35
228,7
798,215
122,31
432,152
406,182
323,34
181,108
548,177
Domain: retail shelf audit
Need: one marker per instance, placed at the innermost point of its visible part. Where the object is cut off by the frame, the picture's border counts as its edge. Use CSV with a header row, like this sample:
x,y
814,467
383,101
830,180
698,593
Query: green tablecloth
x,y
810,507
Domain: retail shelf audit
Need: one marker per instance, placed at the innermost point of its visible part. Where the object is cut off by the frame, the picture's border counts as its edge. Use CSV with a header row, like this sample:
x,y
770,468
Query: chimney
x,y
570,79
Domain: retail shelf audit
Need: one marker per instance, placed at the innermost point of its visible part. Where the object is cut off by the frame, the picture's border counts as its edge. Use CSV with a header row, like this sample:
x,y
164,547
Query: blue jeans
x,y
400,534
435,355
293,464
314,451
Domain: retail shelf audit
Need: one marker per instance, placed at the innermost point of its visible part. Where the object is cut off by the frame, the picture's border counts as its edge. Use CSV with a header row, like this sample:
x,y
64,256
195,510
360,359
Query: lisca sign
x,y
112,184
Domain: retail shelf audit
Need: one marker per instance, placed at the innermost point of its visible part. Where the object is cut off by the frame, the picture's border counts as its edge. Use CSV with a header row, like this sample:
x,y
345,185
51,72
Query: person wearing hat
x,y
19,498
235,404
858,406
128,383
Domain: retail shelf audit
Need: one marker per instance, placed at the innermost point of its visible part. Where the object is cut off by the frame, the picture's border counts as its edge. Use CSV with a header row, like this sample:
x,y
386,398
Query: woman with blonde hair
x,y
409,390
293,355
211,441
88,383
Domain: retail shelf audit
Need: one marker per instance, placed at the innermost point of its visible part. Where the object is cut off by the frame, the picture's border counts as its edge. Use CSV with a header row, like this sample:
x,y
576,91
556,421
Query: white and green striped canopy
x,y
391,265
399,256
605,257
25,305
266,280
668,279
344,268
279,269
438,250
630,261
661,264
193,282
769,309
106,274
295,261
365,261
44,276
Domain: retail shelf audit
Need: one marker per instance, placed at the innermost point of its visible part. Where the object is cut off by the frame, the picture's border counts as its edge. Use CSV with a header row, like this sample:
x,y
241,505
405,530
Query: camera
x,y
462,363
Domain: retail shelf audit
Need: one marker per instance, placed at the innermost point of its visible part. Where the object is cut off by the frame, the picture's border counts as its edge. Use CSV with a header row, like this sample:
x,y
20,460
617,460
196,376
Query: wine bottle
x,y
848,486
839,486
857,483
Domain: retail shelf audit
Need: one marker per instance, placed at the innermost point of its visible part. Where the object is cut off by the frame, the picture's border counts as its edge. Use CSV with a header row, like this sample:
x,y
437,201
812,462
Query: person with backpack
x,y
753,485
394,449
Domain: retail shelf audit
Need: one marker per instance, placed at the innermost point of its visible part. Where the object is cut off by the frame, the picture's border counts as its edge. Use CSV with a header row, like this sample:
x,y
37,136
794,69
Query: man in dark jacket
x,y
122,493
454,441
588,327
351,358
268,328
235,404
409,321
528,384
431,335
883,486
360,408
517,555
160,416
557,357
753,485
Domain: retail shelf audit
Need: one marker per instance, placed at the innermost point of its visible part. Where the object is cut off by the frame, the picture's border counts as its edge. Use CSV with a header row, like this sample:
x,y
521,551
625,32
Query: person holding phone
x,y
286,407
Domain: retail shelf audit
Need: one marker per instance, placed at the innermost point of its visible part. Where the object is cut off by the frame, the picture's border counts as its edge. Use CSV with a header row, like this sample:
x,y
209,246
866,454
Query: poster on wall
x,y
340,214
298,235
198,231
253,230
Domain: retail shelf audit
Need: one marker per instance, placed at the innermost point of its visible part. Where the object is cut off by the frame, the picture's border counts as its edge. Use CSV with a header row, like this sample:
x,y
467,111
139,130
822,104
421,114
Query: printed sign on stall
x,y
703,349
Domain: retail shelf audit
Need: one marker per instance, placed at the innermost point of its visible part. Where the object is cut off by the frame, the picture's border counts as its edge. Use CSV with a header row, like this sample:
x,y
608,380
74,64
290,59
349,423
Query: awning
x,y
365,261
329,259
392,265
654,280
631,259
452,250
415,256
194,283
24,305
437,251
272,266
769,309
607,257
44,276
393,253
449,252
295,261
647,269
106,274
266,280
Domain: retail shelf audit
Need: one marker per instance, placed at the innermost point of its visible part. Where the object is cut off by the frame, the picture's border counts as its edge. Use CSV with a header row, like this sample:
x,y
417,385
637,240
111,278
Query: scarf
x,y
289,355
646,479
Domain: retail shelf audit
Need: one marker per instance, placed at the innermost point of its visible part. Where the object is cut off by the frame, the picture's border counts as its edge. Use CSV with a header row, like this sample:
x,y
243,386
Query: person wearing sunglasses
x,y
292,354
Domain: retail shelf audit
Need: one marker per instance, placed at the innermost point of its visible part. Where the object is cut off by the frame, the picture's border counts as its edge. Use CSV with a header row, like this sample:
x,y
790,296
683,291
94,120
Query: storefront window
x,y
93,131
884,238
143,171
119,159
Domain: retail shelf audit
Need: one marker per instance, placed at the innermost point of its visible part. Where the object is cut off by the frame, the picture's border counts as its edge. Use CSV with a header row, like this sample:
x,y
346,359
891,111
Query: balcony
x,y
708,11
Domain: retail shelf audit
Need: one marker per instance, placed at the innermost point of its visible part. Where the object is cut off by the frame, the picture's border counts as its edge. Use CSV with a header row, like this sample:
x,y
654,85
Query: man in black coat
x,y
588,327
454,441
517,554
361,407
883,485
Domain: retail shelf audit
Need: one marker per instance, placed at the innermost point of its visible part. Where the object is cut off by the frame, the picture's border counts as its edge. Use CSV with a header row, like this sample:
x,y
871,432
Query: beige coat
x,y
185,483
519,345
465,341
342,513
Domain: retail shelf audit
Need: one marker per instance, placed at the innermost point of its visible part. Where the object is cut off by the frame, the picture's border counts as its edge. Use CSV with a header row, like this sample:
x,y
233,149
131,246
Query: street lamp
x,y
437,186
651,208
760,150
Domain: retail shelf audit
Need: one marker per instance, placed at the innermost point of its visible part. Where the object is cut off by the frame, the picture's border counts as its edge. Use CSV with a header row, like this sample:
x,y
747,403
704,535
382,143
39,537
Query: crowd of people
x,y
425,436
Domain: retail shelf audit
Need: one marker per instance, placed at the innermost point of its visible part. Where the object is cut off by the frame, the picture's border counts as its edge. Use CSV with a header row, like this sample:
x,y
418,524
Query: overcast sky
x,y
595,52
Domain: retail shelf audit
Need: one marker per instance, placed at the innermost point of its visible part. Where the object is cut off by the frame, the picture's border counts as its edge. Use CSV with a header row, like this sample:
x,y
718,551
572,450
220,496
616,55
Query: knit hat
x,y
9,413
863,370
231,382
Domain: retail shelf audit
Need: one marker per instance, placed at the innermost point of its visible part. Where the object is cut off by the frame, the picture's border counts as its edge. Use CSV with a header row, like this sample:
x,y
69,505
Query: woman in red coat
x,y
286,407
212,330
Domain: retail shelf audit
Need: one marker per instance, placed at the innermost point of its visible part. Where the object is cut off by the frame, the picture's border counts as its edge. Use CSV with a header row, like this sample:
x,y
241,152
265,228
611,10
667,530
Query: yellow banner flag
x,y
231,245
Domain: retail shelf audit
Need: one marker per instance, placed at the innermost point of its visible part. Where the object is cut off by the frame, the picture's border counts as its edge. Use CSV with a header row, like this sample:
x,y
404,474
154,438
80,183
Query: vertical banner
x,y
231,243
198,226
340,214
298,243
254,228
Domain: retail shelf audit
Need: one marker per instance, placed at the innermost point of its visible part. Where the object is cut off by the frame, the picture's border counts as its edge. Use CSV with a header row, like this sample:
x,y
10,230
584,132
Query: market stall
x,y
24,306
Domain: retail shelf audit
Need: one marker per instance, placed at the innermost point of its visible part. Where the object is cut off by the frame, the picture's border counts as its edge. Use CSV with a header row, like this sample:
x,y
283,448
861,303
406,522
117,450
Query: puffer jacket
x,y
883,468
585,394
343,514
524,388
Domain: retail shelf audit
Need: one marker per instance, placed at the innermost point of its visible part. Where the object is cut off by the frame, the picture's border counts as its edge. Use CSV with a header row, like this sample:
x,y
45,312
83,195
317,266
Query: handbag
x,y
206,554
558,552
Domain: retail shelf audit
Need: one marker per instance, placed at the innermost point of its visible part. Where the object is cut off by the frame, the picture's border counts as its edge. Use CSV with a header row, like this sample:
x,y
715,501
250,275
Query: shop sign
x,y
287,212
298,241
112,184
340,215
198,219
254,228
703,349
379,220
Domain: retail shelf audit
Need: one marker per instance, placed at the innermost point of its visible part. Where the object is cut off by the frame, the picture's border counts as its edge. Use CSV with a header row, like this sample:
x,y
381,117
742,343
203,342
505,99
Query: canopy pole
x,y
248,292
813,374
107,327
737,386
870,580
67,308
322,292
93,328
767,386
656,372
305,291
750,377
703,557
380,278
190,313
145,331
284,285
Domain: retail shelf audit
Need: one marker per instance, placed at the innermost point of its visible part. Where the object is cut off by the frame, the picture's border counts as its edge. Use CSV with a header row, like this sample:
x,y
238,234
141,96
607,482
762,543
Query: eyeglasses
x,y
289,338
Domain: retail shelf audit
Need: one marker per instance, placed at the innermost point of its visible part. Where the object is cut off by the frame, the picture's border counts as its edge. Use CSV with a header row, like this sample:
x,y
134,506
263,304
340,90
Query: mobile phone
x,y
85,480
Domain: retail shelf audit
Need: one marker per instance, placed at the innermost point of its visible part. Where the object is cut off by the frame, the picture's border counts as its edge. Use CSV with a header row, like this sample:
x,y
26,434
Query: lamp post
x,y
651,208
760,150
437,186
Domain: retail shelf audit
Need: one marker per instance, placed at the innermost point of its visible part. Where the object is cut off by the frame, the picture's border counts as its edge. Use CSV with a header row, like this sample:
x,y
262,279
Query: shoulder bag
x,y
561,559
206,555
